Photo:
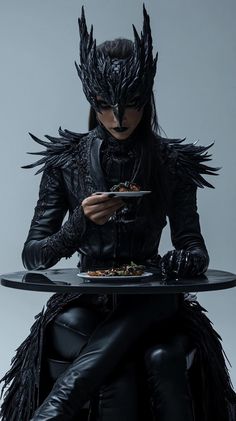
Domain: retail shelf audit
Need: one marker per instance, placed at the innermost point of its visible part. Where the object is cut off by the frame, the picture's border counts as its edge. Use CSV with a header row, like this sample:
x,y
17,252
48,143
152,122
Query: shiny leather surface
x,y
123,396
166,370
109,343
135,237
63,189
70,331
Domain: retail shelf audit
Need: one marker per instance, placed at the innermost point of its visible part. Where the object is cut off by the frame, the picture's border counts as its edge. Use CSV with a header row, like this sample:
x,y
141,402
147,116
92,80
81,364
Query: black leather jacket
x,y
73,171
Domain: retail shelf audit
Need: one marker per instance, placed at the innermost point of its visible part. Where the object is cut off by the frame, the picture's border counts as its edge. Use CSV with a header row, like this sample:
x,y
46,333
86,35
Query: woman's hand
x,y
99,208
184,263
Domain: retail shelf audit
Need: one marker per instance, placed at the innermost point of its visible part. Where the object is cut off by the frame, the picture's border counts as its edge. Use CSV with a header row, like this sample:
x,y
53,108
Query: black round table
x,y
68,280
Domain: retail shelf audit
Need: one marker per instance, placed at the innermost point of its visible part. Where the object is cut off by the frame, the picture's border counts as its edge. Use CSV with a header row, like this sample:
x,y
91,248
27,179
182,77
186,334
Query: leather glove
x,y
184,263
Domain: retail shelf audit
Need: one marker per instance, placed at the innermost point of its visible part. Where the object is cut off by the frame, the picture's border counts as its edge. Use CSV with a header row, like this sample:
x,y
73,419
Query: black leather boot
x,y
168,383
118,399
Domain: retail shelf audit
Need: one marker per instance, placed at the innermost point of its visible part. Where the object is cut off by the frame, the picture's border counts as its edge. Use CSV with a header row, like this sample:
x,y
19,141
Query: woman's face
x,y
131,119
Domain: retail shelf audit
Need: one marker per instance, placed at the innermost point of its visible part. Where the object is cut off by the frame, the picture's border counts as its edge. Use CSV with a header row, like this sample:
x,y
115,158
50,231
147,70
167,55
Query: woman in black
x,y
95,335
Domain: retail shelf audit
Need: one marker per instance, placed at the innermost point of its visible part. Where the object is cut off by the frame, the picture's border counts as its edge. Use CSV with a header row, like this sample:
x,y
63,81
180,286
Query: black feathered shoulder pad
x,y
60,151
188,160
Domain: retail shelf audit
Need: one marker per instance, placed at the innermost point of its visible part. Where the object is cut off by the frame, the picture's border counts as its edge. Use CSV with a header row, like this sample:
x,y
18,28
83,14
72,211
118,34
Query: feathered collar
x,y
186,160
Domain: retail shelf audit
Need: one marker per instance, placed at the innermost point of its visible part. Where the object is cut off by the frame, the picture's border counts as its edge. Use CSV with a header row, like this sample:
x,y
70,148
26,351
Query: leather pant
x,y
98,349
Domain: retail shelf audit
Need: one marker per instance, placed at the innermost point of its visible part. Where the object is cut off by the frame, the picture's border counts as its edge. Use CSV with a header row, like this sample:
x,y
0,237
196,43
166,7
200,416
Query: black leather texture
x,y
135,234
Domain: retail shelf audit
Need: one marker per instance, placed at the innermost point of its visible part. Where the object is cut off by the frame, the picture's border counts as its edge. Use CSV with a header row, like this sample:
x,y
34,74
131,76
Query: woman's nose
x,y
116,120
118,113
119,119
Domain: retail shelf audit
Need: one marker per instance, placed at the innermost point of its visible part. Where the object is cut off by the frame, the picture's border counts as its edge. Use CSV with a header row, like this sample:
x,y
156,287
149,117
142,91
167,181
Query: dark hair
x,y
121,48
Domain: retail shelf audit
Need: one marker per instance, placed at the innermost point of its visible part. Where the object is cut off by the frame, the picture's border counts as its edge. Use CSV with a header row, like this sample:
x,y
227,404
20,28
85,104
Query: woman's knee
x,y
70,331
165,358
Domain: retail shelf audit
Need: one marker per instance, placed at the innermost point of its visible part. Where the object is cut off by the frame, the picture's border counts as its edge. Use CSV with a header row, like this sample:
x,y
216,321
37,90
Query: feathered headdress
x,y
118,81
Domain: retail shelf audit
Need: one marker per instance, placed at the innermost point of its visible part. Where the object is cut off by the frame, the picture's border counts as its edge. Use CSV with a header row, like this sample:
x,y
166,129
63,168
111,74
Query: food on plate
x,y
126,186
124,270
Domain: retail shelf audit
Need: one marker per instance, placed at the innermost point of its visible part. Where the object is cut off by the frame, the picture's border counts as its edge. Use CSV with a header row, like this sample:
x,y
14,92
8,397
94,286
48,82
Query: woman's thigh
x,y
70,330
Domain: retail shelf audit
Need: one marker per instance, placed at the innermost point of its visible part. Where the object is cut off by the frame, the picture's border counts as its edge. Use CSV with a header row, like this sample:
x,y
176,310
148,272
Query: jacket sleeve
x,y
48,240
184,219
186,166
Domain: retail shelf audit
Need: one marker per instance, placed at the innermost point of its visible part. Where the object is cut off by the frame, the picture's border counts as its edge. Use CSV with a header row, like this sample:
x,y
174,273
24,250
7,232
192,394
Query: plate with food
x,y
115,278
127,271
126,189
125,193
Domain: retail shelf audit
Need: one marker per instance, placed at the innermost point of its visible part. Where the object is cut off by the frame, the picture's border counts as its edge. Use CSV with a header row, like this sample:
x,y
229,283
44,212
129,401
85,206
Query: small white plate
x,y
115,277
124,193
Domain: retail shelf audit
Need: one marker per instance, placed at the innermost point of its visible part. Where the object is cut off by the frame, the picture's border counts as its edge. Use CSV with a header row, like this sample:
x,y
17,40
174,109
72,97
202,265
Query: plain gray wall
x,y
39,91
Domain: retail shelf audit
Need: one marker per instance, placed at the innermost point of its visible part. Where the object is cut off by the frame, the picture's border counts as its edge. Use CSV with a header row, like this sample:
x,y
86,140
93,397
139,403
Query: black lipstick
x,y
120,129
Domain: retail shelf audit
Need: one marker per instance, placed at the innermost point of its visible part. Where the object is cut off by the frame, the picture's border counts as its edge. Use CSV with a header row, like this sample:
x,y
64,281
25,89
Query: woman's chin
x,y
120,135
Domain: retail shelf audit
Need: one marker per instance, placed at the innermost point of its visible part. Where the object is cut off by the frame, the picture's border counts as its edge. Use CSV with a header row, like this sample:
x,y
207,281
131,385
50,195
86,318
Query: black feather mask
x,y
117,81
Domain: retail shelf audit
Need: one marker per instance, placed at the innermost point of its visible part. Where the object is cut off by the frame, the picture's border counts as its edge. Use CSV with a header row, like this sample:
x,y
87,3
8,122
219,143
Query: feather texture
x,y
188,161
21,382
60,151
214,396
118,81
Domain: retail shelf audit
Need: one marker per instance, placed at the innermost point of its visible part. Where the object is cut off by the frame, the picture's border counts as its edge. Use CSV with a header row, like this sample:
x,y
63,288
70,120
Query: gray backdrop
x,y
39,91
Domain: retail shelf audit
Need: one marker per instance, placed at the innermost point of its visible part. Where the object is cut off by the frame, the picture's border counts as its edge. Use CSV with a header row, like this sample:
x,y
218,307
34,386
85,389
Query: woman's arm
x,y
48,240
190,257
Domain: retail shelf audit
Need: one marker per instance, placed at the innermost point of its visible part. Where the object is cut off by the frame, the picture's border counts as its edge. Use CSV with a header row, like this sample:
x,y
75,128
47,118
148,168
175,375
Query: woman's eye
x,y
104,105
133,103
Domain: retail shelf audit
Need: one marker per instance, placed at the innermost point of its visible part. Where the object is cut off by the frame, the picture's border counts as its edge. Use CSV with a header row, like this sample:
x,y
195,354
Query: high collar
x,y
119,145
